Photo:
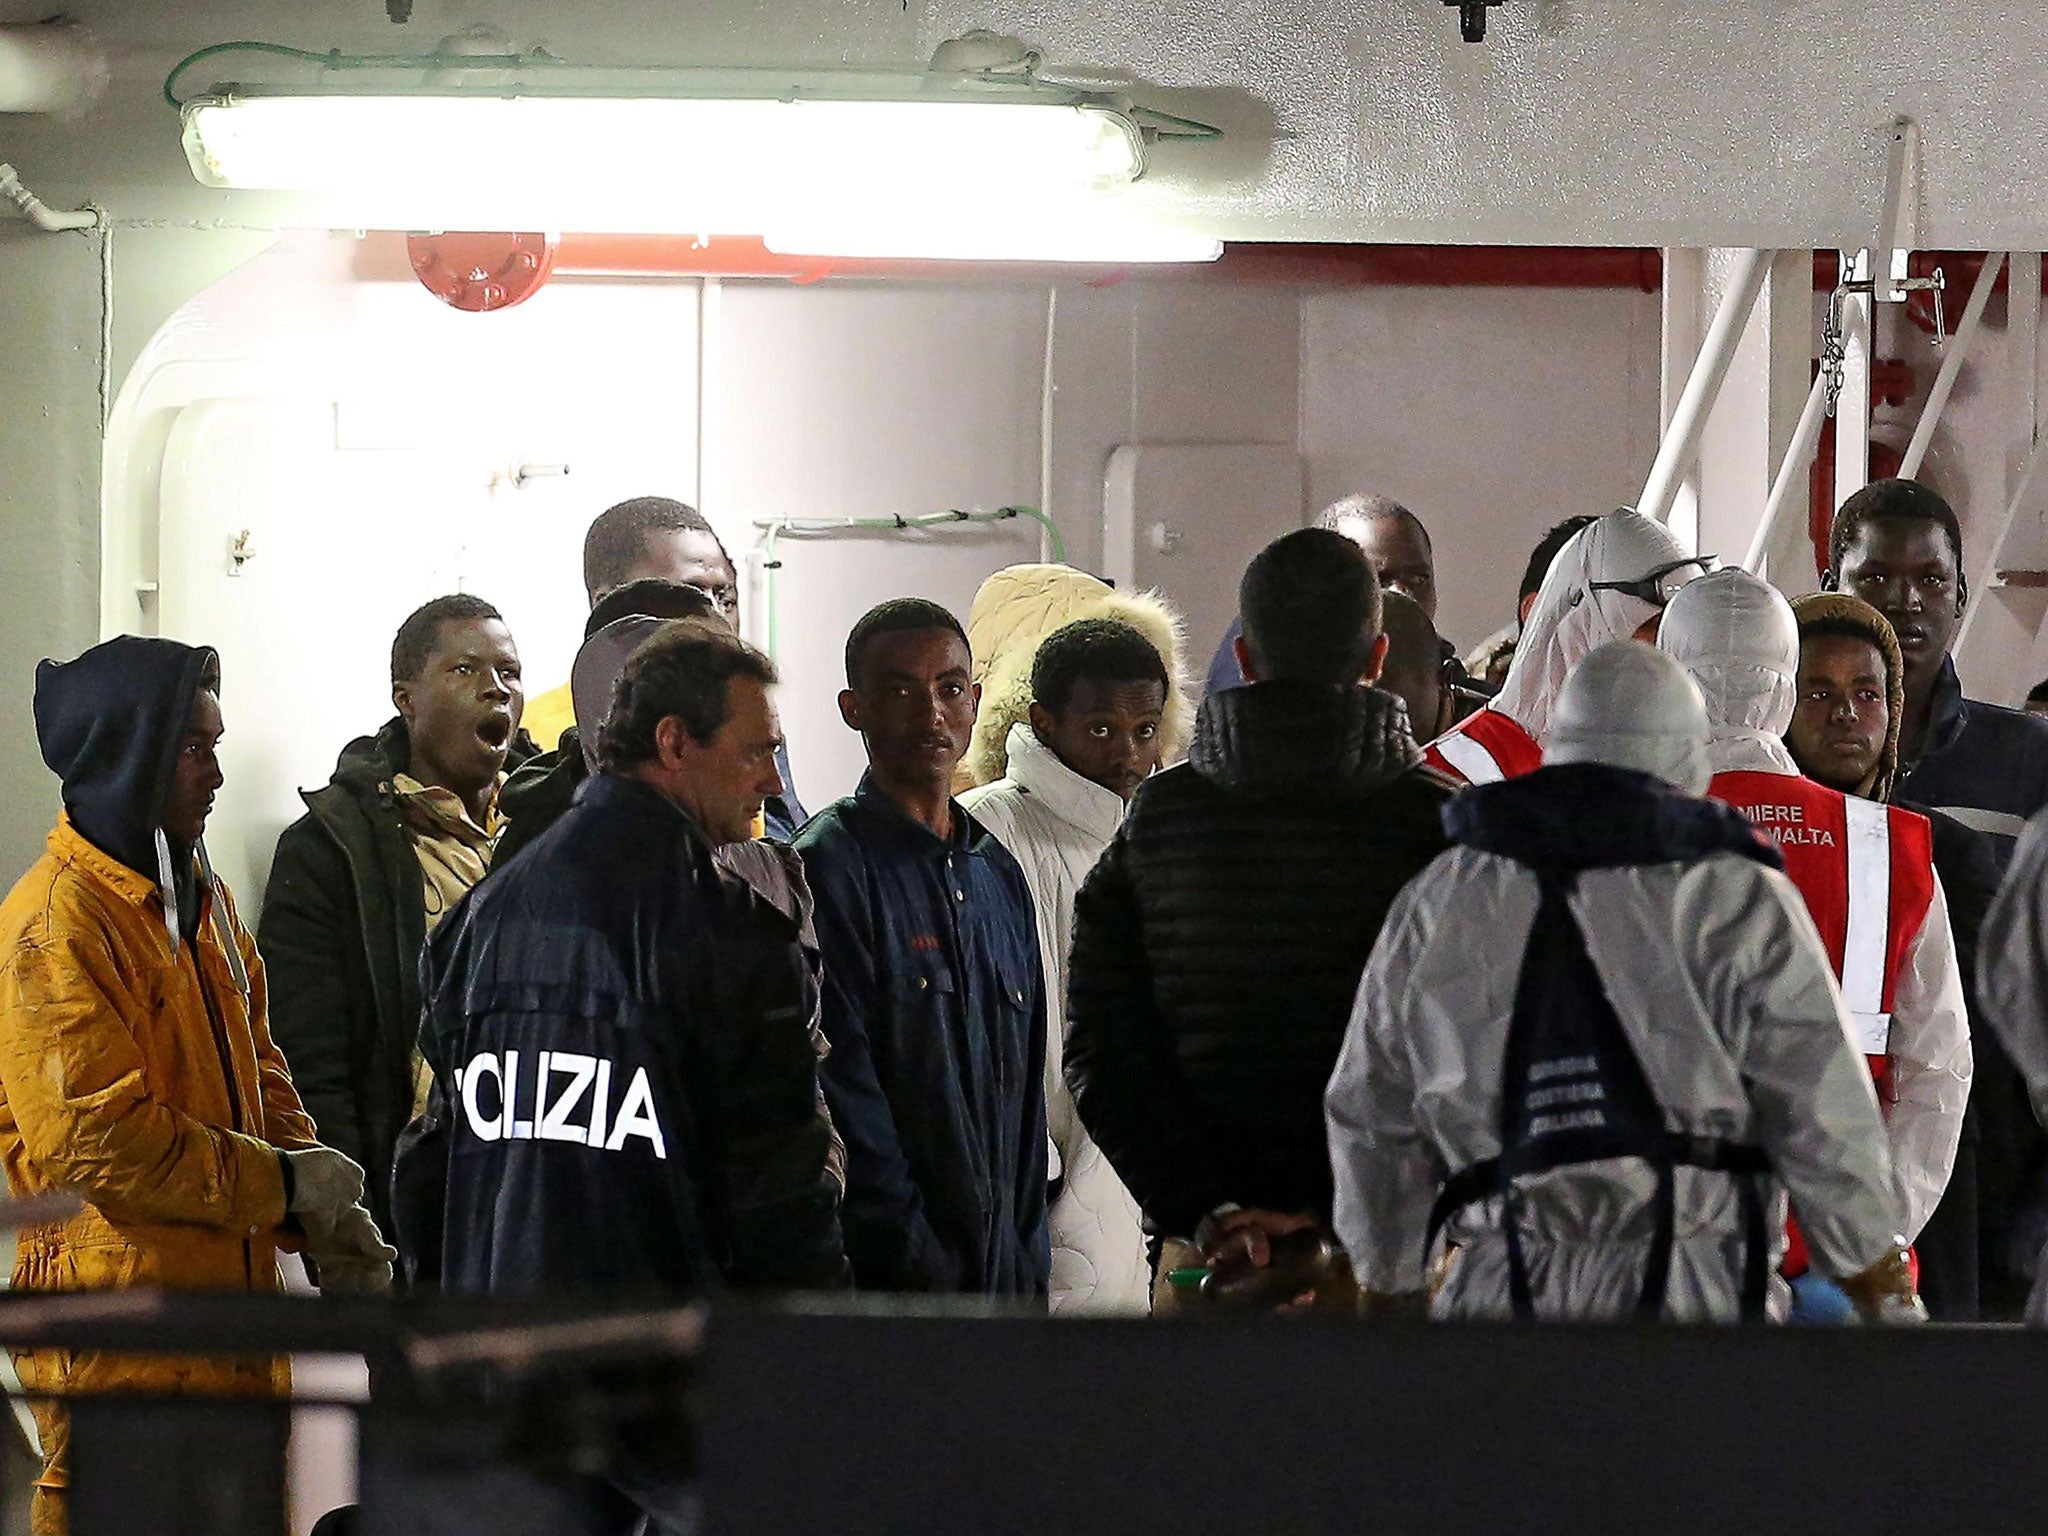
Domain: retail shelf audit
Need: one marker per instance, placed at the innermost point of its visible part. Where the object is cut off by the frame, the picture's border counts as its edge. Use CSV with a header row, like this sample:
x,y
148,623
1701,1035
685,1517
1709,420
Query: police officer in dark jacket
x,y
617,1030
934,998
1218,943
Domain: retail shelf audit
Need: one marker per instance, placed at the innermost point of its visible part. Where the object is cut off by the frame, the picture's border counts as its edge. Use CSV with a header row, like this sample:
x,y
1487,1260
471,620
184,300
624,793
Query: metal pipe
x,y
1045,395
1951,366
1791,471
1682,437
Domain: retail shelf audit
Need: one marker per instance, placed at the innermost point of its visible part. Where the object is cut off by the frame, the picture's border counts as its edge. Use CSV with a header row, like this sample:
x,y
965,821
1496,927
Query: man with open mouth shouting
x,y
395,839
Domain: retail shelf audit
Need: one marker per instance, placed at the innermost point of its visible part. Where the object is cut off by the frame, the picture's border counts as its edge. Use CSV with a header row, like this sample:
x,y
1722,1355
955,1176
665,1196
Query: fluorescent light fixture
x,y
727,163
840,165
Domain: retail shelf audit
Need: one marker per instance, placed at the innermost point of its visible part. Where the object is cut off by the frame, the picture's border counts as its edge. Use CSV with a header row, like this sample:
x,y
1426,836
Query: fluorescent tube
x,y
728,164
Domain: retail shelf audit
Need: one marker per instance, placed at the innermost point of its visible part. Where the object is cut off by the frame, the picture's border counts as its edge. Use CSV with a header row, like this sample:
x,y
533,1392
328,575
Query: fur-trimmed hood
x,y
1014,612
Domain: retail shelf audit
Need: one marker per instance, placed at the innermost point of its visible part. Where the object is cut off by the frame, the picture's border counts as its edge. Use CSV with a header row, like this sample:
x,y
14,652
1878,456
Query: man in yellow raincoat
x,y
136,1066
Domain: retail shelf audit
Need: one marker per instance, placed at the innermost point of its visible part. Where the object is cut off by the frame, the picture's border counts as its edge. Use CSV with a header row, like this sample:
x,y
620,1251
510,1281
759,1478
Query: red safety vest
x,y
1484,748
1867,873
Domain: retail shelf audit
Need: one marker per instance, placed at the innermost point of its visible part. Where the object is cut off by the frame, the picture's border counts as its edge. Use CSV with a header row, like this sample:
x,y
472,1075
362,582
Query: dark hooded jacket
x,y
1219,942
136,1068
1985,765
344,919
535,796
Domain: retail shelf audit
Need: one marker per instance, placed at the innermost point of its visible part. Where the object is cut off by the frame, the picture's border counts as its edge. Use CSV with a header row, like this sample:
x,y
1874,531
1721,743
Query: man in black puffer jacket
x,y
1219,942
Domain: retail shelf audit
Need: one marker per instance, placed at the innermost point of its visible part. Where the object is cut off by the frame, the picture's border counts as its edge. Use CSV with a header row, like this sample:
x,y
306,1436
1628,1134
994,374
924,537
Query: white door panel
x,y
344,546
1187,518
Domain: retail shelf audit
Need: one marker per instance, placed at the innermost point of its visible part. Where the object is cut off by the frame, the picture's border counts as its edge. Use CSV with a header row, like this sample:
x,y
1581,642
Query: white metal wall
x,y
364,435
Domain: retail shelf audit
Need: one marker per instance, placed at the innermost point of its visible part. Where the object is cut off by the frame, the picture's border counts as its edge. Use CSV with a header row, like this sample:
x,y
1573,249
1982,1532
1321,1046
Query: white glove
x,y
351,1257
324,1183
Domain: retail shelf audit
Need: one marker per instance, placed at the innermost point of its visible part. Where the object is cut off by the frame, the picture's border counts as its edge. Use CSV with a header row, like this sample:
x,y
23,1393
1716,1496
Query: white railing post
x,y
1951,365
1791,472
1682,437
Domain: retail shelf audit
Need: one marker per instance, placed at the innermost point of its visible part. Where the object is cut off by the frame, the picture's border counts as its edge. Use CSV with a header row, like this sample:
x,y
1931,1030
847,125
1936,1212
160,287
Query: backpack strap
x,y
1573,1092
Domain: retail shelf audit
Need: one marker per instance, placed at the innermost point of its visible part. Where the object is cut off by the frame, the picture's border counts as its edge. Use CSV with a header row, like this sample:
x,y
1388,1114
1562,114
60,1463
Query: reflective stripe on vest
x,y
1866,945
1866,872
1473,762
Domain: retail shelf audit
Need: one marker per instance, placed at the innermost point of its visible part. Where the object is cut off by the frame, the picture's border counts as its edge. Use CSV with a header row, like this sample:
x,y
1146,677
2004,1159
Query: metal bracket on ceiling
x,y
1472,18
1890,254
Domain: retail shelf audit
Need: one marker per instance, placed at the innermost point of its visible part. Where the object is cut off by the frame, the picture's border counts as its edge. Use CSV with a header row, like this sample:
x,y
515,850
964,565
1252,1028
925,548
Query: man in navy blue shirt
x,y
934,1003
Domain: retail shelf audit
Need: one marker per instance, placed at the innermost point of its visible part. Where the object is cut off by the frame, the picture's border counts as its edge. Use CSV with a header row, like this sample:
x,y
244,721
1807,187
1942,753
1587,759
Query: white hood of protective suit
x,y
1570,620
1738,638
1628,705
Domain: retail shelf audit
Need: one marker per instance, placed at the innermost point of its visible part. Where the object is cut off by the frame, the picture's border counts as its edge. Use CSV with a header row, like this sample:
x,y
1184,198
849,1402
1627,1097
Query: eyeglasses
x,y
1661,584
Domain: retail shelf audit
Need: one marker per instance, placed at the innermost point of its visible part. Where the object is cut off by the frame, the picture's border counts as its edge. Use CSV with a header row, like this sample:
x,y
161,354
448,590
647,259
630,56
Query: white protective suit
x,y
2012,986
1571,618
1738,638
1721,987
1056,824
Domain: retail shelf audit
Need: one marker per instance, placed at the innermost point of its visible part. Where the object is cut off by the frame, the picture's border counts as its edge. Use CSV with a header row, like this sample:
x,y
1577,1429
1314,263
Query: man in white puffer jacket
x,y
1099,693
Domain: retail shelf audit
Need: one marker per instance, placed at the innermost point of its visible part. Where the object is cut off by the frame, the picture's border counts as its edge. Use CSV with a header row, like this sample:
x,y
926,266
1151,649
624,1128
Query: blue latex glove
x,y
1817,1302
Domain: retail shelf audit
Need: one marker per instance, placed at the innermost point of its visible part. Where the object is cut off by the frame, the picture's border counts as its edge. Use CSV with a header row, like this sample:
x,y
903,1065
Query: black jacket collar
x,y
1303,738
1573,816
1946,713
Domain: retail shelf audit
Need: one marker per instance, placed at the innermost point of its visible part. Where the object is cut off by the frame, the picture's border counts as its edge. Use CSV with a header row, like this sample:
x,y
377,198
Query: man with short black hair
x,y
935,1004
394,840
1093,735
637,539
1897,545
1219,940
656,538
1393,539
